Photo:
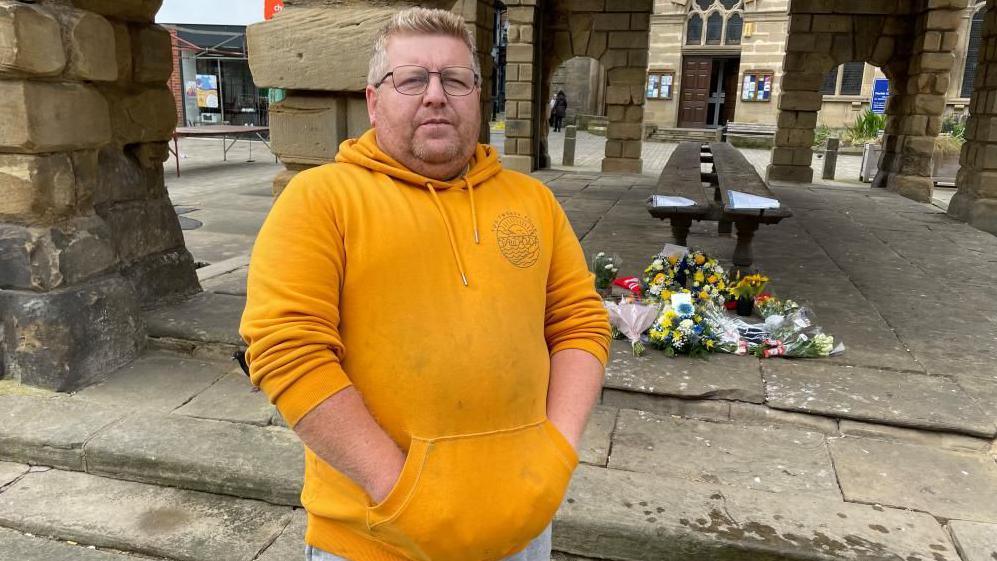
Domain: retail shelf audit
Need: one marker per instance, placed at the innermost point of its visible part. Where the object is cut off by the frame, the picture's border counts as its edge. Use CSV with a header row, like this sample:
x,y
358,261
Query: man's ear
x,y
371,93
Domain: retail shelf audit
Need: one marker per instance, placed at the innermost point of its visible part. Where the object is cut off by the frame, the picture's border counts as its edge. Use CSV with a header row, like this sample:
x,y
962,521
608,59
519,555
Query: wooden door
x,y
695,91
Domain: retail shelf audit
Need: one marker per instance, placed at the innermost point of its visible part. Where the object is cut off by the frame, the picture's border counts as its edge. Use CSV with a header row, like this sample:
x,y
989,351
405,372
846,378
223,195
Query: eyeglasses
x,y
414,80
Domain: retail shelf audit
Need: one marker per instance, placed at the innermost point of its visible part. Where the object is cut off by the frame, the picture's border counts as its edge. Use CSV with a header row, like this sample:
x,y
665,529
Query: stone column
x,y
519,87
917,100
625,61
976,200
87,232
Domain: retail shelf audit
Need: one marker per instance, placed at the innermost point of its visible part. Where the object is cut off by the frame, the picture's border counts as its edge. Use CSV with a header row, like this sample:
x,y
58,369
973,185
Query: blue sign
x,y
880,92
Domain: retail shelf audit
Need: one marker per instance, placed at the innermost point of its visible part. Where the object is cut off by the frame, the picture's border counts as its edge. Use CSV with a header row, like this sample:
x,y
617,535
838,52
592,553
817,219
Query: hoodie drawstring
x,y
474,213
450,235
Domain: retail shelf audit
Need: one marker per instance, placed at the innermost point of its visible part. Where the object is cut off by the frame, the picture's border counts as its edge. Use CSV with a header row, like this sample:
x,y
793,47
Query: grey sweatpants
x,y
537,550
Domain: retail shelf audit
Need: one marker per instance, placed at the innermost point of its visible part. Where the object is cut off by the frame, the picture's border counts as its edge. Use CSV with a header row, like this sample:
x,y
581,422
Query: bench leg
x,y
742,251
724,228
680,230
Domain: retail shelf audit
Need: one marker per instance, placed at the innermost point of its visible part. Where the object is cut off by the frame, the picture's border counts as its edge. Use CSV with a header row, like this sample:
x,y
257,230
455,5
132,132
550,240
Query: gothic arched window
x,y
723,22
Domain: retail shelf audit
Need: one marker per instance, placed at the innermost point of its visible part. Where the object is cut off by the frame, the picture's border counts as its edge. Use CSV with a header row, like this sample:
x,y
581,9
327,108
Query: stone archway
x,y
88,235
585,93
913,45
540,38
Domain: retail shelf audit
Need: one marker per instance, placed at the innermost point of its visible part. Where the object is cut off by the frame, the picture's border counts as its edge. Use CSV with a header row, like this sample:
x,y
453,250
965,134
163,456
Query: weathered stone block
x,y
32,187
792,174
911,186
75,116
519,91
524,146
163,277
30,41
323,39
45,258
308,129
936,61
141,114
597,45
130,10
634,114
121,177
983,215
632,149
627,165
614,148
626,75
640,22
144,227
152,54
68,338
624,131
519,52
525,109
617,95
628,40
611,22
92,47
800,101
123,51
943,20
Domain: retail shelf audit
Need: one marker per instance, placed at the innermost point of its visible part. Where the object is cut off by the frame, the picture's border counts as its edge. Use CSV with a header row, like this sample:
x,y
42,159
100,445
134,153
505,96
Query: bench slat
x,y
682,177
736,173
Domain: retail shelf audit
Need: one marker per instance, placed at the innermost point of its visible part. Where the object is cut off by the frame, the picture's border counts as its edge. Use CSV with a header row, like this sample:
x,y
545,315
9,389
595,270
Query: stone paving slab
x,y
703,409
290,545
720,376
50,431
146,519
612,514
944,440
752,413
596,440
15,546
983,393
208,317
232,398
156,381
779,460
893,398
975,541
212,456
233,283
10,471
944,483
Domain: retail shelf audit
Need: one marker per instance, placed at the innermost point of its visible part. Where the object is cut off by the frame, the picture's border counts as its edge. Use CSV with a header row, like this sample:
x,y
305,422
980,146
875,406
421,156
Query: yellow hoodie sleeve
x,y
575,316
291,320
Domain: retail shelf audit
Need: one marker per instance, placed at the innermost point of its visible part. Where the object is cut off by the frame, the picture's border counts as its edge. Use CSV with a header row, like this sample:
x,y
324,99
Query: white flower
x,y
609,267
600,254
686,325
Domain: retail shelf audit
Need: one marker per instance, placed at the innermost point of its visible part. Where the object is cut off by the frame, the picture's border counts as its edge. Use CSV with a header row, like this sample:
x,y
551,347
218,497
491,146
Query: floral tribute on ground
x,y
682,303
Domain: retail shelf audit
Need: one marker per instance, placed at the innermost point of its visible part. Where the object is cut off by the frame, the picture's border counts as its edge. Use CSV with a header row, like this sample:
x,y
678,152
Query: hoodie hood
x,y
365,152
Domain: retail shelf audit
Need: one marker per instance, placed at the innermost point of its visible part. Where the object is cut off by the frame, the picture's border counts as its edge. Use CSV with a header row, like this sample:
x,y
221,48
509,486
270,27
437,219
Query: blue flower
x,y
685,310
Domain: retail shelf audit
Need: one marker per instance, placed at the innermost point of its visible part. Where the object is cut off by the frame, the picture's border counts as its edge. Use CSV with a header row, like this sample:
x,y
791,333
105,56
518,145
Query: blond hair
x,y
418,21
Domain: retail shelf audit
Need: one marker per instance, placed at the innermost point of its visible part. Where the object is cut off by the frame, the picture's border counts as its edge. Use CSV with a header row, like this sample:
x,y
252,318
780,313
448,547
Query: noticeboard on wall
x,y
757,86
660,84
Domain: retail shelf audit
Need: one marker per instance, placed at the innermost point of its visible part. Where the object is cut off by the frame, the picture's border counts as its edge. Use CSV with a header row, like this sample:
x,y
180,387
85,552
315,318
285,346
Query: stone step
x,y
777,497
663,134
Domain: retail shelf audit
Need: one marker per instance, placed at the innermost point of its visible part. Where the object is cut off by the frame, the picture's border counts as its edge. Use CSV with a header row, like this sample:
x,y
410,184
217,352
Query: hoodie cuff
x,y
600,352
308,391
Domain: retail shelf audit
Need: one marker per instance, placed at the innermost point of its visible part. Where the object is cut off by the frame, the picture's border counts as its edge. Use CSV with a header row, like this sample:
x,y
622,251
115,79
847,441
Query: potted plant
x,y
746,290
605,267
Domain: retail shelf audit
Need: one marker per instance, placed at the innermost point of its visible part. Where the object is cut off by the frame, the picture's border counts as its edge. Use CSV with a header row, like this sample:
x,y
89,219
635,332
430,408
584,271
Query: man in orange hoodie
x,y
425,321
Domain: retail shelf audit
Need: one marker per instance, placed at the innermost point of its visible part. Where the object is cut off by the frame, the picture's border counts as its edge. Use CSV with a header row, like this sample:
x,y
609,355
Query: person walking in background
x,y
560,110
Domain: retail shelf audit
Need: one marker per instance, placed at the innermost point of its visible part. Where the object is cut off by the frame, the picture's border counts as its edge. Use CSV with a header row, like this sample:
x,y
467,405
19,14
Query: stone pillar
x,y
87,232
480,18
799,103
917,101
519,87
625,61
976,200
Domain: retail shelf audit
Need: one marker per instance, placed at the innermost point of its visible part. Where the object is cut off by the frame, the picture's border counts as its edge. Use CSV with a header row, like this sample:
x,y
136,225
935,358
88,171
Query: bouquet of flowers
x,y
632,318
682,331
606,268
801,345
659,278
769,305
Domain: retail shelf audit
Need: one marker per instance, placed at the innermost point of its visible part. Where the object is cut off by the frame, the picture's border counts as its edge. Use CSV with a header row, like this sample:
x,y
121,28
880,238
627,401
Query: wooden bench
x,y
683,176
751,131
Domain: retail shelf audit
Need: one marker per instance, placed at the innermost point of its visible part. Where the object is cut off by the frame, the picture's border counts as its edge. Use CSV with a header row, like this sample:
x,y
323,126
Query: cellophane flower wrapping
x,y
632,318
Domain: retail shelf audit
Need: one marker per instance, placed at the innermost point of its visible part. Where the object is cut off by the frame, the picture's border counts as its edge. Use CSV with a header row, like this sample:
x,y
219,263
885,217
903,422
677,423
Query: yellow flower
x,y
672,259
712,279
709,343
697,319
704,295
666,294
670,315
699,259
660,277
699,276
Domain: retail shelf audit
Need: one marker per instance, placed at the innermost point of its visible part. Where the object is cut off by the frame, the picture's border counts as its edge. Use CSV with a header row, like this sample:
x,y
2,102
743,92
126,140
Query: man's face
x,y
433,133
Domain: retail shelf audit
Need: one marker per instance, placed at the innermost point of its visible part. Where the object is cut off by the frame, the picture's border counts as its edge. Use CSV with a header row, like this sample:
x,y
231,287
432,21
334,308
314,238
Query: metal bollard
x,y
568,157
830,157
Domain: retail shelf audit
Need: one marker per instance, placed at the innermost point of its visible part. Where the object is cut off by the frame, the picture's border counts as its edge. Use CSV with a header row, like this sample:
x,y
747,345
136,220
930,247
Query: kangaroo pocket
x,y
475,497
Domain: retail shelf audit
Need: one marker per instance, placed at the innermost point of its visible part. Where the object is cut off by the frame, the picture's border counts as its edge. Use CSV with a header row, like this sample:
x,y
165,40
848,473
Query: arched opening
x,y
582,80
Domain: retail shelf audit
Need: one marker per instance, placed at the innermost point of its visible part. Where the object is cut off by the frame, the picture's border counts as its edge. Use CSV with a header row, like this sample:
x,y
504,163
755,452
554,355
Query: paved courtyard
x,y
886,452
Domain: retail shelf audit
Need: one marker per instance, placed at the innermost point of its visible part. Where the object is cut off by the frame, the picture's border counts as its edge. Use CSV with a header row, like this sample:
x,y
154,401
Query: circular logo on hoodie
x,y
517,239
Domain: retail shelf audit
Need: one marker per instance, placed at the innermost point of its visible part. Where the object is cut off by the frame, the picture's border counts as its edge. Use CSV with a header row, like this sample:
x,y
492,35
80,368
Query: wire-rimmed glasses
x,y
414,80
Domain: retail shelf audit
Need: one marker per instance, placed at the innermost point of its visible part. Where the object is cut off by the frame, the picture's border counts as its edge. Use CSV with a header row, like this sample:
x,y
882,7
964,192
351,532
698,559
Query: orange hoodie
x,y
441,302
